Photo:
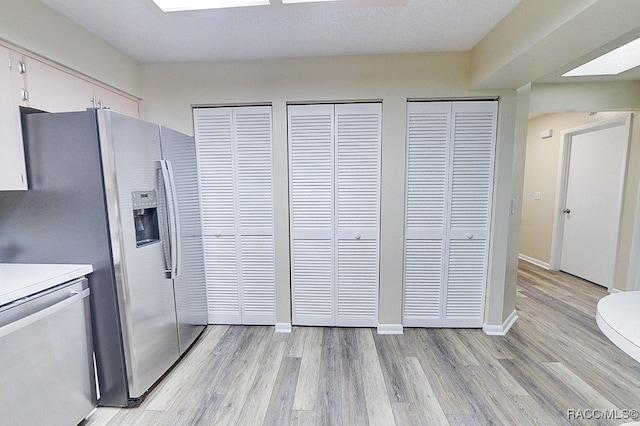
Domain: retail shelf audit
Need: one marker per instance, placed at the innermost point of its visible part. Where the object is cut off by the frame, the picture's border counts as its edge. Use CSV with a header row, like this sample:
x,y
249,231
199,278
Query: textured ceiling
x,y
138,28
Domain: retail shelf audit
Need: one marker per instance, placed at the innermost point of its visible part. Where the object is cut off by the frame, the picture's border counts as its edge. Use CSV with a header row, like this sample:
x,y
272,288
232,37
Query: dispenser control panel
x,y
144,199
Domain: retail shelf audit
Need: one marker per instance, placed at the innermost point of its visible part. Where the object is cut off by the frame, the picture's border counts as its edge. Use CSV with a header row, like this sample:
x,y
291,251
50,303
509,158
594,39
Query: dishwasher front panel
x,y
46,358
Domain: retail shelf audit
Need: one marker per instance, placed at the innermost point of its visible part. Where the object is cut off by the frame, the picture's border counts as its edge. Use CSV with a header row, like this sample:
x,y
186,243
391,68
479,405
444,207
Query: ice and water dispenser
x,y
145,217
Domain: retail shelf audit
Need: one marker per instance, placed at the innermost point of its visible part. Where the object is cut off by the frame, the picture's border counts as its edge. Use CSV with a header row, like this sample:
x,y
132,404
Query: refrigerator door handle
x,y
174,220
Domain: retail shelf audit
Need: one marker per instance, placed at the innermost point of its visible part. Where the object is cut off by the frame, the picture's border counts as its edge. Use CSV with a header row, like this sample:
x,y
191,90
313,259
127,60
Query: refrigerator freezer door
x,y
130,150
189,285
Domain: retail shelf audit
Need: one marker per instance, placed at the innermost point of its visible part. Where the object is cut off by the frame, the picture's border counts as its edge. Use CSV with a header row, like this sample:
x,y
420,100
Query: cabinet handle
x,y
22,67
25,94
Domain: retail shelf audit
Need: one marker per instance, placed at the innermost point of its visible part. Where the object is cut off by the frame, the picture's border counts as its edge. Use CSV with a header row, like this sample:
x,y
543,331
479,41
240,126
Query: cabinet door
x,y
54,90
12,162
116,102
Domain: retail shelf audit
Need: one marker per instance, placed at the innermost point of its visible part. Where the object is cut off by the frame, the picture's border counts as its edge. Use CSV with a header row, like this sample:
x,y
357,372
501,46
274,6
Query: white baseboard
x,y
390,329
501,330
614,290
534,261
283,327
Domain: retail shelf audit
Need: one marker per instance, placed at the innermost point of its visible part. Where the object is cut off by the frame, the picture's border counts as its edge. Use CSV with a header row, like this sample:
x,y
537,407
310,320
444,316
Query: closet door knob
x,y
357,236
469,235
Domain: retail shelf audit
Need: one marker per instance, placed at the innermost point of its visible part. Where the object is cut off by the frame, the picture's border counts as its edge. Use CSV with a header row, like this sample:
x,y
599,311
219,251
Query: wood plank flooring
x,y
554,367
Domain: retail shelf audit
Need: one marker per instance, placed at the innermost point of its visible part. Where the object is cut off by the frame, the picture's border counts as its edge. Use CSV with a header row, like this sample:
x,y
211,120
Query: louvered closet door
x,y
473,135
311,192
334,168
449,181
213,128
428,140
255,214
358,136
234,147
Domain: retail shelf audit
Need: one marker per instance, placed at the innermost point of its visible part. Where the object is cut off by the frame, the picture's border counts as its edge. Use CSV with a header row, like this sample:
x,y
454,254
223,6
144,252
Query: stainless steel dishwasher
x,y
46,357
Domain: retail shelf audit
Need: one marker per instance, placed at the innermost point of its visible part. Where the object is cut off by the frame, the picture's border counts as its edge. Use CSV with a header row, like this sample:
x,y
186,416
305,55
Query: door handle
x,y
567,211
174,221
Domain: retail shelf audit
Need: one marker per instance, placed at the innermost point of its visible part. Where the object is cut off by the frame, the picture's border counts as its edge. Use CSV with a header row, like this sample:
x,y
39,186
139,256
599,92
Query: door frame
x,y
563,178
633,282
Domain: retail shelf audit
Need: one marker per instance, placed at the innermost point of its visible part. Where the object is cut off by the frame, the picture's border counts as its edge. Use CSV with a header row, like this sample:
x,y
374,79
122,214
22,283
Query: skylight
x,y
181,5
305,1
615,62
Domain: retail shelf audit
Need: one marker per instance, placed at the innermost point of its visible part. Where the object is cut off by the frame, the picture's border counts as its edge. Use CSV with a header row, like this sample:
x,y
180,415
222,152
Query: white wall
x,y
170,90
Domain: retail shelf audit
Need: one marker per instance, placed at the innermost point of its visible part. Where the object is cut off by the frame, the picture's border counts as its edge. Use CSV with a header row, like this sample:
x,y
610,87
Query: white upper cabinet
x,y
13,174
105,98
53,89
31,82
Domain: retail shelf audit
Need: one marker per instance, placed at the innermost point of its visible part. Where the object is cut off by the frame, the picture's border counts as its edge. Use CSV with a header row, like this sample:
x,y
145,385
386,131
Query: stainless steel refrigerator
x,y
121,194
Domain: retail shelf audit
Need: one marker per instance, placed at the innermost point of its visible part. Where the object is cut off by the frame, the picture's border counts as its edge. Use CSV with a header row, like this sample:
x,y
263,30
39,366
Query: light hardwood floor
x,y
553,367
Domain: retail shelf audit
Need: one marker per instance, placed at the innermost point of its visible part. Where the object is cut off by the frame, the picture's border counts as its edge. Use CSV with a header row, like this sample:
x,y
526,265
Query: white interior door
x,y
593,202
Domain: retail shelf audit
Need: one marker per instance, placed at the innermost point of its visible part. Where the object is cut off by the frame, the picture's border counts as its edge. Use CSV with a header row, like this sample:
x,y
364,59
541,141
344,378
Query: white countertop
x,y
18,280
618,316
